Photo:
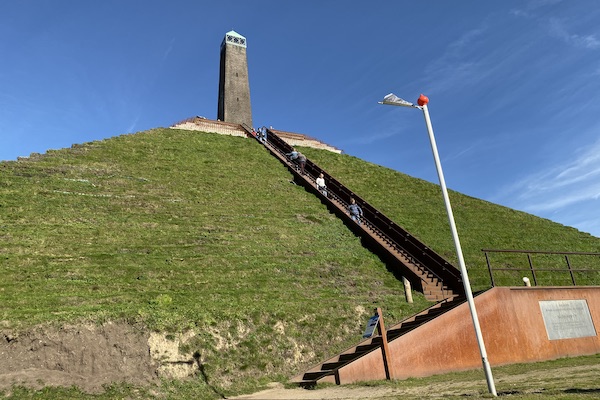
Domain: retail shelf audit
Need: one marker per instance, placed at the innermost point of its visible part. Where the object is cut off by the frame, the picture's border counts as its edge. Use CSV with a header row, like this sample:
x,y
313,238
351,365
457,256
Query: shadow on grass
x,y
582,391
197,357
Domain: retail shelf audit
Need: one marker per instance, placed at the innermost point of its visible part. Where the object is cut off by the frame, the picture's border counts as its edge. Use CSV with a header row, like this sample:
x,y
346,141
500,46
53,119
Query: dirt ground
x,y
277,392
88,357
92,356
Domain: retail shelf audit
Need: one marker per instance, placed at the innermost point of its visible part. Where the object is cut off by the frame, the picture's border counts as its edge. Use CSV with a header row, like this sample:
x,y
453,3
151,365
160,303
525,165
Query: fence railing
x,y
550,268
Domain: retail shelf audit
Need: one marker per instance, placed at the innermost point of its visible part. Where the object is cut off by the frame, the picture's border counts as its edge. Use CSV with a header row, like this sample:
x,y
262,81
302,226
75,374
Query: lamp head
x,y
393,100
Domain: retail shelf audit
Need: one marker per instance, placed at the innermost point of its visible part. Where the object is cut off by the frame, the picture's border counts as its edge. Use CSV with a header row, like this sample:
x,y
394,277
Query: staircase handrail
x,y
387,229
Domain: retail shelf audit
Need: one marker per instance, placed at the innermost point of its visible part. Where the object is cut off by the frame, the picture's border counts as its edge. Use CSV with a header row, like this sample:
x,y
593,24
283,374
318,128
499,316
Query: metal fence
x,y
544,268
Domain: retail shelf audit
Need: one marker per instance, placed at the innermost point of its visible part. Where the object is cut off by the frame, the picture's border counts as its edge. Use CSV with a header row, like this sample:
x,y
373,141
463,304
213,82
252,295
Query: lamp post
x,y
393,100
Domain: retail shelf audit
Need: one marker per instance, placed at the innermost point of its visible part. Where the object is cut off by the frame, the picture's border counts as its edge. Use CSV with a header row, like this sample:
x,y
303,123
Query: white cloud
x,y
532,5
561,186
133,124
558,29
453,67
461,152
372,138
169,49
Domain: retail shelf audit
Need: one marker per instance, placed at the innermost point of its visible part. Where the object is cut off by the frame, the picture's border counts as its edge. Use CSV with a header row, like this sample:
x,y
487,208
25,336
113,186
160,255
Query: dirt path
x,y
373,393
524,383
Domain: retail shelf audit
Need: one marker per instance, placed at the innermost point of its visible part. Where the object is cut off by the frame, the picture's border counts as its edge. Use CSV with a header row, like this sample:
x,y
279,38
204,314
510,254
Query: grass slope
x,y
177,230
418,207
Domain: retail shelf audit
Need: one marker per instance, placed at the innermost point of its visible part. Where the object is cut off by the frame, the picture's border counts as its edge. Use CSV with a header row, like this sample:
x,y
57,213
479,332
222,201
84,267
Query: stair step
x,y
438,297
352,356
314,376
405,327
393,334
367,347
443,293
347,357
424,318
333,365
306,384
435,285
434,312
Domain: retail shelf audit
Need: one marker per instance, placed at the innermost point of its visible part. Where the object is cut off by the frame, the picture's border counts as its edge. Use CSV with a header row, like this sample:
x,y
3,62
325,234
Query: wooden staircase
x,y
427,271
328,370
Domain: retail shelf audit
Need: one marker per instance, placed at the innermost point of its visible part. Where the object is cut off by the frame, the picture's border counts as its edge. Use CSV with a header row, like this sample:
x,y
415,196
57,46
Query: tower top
x,y
232,37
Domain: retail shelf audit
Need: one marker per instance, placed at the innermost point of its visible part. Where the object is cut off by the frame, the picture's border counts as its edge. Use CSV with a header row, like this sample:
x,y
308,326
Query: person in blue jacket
x,y
355,211
298,158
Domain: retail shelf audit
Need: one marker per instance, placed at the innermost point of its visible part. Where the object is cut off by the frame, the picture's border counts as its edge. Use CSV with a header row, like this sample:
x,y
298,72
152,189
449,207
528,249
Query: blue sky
x,y
514,86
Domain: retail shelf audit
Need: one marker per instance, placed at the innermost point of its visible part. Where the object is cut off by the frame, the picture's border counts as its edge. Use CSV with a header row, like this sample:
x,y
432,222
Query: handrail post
x,y
407,290
487,260
531,269
385,351
570,270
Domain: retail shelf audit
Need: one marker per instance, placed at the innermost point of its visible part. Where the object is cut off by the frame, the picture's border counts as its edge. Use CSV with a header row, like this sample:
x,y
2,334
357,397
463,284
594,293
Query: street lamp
x,y
393,100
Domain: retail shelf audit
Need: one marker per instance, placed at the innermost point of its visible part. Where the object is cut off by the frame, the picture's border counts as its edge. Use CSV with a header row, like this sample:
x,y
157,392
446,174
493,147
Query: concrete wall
x,y
298,139
513,330
225,128
211,126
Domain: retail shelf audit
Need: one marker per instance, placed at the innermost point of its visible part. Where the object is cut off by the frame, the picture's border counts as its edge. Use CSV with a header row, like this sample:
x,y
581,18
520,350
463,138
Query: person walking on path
x,y
262,135
298,158
264,128
301,162
355,211
293,156
321,187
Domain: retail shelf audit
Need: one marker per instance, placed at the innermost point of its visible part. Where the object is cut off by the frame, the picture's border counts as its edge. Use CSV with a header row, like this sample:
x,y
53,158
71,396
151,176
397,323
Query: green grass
x,y
418,207
176,230
566,378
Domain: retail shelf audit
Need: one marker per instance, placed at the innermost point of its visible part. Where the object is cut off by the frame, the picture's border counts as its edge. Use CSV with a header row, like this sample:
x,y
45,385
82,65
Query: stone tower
x,y
234,86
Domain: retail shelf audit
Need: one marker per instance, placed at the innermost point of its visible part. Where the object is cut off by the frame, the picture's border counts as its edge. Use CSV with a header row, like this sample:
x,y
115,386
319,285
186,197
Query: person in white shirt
x,y
320,181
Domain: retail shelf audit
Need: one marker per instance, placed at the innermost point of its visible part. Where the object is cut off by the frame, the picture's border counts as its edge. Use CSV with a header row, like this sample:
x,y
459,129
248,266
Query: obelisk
x,y
234,86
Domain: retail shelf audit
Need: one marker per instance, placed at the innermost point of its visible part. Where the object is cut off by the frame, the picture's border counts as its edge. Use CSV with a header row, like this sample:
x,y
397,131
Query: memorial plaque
x,y
567,319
